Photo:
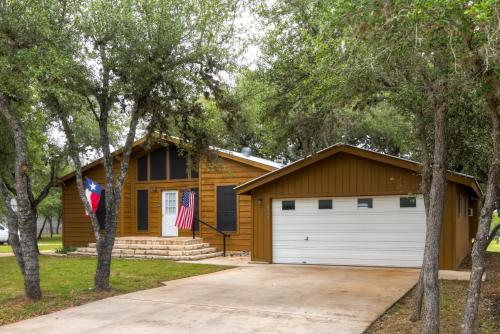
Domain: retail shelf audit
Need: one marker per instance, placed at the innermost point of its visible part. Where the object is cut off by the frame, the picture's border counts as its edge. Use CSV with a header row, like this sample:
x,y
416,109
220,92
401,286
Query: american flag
x,y
186,213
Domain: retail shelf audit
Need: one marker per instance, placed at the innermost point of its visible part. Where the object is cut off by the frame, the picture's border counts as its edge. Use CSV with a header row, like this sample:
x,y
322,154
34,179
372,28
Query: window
x,y
142,210
196,208
226,209
158,164
101,210
178,164
194,173
142,168
365,203
2,228
325,204
407,202
287,205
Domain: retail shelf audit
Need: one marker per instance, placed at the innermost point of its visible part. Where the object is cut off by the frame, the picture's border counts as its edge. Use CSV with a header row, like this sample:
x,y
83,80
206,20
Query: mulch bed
x,y
453,295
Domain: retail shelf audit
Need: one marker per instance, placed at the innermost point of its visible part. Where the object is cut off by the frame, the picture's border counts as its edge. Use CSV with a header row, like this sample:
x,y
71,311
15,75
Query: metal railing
x,y
224,235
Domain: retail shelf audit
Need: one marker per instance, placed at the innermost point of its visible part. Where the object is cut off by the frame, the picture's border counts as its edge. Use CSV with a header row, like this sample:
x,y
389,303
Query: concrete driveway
x,y
256,299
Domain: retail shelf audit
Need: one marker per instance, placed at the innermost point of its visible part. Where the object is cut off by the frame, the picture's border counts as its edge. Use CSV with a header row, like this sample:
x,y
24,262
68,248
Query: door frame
x,y
163,209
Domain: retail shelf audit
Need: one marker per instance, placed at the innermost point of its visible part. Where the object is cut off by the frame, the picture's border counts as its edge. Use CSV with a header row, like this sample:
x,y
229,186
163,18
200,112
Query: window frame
x,y
178,158
325,200
369,204
146,156
150,163
407,198
287,201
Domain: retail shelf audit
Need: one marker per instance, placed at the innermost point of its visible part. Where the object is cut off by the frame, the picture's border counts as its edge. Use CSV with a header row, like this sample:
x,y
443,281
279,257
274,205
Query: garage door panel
x,y
356,262
351,236
385,235
348,244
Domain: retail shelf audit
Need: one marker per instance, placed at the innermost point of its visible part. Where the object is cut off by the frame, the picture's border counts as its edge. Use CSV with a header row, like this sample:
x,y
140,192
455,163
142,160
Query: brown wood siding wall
x,y
78,230
337,176
463,244
226,172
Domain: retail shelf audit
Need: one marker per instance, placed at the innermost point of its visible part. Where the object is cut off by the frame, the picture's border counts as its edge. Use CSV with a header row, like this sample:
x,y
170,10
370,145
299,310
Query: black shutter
x,y
101,210
142,210
178,164
196,208
226,208
158,164
142,168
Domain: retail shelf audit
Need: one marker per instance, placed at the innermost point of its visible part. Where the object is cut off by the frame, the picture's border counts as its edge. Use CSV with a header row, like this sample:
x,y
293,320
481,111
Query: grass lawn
x,y
68,281
453,294
46,243
494,247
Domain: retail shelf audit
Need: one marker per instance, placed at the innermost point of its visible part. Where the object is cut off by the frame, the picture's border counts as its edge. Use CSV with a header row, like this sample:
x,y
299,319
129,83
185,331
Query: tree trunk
x,y
425,186
29,248
59,218
482,236
41,230
104,241
13,226
112,197
26,213
430,314
51,228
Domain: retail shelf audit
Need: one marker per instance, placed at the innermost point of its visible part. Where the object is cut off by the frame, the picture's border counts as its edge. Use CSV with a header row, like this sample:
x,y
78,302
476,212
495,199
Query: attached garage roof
x,y
459,178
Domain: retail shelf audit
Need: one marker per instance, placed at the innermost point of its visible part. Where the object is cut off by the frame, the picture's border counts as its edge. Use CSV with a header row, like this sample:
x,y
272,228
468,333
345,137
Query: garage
x,y
384,231
346,205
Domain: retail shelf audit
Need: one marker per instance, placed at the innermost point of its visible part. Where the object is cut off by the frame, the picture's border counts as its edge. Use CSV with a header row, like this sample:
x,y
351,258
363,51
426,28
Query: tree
x,y
484,58
24,29
321,58
177,49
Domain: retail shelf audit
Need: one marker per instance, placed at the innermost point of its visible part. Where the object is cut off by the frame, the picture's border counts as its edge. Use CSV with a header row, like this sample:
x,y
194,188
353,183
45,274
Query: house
x,y
152,191
341,206
349,206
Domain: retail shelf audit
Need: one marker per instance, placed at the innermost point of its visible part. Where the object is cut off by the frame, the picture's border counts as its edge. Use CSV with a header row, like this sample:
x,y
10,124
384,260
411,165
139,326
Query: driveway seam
x,y
315,316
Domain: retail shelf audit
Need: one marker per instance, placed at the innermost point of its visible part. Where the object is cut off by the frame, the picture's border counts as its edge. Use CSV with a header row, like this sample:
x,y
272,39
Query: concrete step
x,y
159,247
161,252
158,241
173,258
175,248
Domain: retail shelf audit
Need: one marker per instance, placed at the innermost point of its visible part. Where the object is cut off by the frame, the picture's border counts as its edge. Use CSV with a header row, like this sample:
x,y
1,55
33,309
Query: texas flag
x,y
93,193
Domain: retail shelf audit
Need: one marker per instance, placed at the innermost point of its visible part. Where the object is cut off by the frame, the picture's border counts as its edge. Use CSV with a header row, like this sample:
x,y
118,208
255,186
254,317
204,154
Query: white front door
x,y
170,206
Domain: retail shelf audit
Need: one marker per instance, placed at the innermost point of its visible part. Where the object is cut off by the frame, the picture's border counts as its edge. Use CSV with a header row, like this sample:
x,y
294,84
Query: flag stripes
x,y
186,213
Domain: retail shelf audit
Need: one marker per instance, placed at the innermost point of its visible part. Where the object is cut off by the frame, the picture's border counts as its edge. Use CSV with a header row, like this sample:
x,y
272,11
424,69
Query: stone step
x,y
173,258
161,252
158,241
163,247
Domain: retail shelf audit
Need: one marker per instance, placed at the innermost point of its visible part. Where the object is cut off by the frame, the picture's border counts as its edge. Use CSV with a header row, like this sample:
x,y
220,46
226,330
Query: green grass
x,y
68,281
494,247
46,243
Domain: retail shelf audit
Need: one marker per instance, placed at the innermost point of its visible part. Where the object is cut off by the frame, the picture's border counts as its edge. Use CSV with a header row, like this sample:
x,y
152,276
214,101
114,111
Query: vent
x,y
246,151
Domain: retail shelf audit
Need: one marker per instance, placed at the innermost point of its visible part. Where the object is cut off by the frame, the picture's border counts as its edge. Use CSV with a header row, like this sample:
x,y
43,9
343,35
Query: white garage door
x,y
390,233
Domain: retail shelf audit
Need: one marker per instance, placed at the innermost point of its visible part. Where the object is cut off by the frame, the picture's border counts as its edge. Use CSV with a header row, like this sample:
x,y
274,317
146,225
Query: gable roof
x,y
261,163
460,178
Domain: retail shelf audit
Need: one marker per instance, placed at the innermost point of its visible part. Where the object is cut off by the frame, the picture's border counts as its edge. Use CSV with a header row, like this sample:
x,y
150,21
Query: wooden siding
x,y
343,175
224,171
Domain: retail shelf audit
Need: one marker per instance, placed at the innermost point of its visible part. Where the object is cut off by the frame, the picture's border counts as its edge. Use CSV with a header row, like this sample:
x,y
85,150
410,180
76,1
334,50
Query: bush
x,y
65,250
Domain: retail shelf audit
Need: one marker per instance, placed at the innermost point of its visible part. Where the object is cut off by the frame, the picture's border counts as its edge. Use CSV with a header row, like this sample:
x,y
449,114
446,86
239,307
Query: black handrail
x,y
224,235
